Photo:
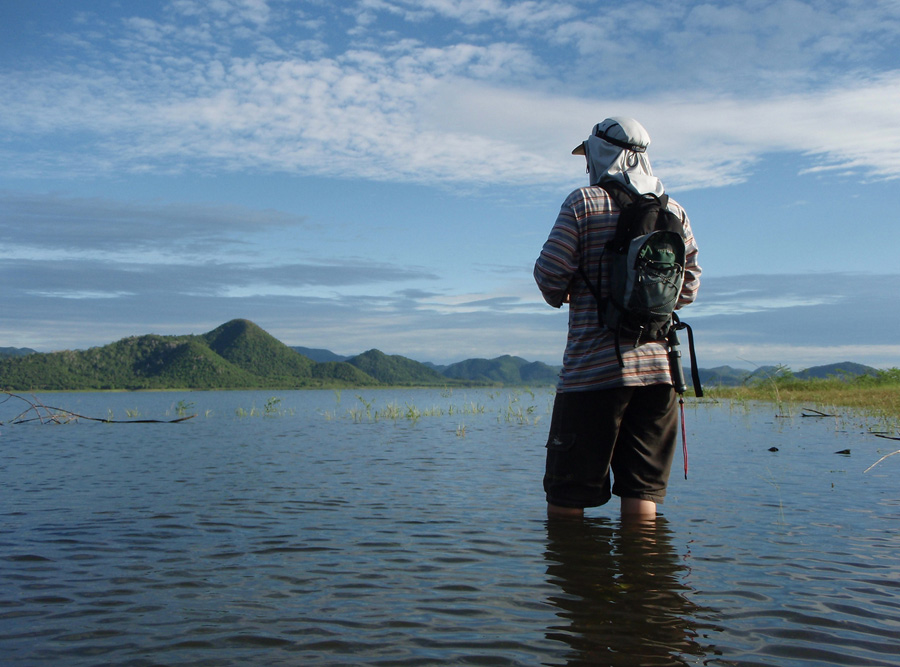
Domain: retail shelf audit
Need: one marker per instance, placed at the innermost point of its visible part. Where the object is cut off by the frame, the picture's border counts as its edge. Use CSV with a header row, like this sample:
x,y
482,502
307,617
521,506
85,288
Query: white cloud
x,y
759,304
78,294
739,46
400,121
175,96
233,11
472,12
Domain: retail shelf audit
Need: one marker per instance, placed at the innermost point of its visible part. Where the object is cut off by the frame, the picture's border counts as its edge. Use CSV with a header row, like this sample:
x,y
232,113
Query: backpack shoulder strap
x,y
618,192
623,197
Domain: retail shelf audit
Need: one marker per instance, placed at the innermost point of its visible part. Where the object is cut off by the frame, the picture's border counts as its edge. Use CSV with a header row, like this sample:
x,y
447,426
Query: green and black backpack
x,y
646,267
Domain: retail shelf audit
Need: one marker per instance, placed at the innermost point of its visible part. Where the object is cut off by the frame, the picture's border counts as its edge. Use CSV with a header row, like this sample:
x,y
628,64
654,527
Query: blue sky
x,y
383,173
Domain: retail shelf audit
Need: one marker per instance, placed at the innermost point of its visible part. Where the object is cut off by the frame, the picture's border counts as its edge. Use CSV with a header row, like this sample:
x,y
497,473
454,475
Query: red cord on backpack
x,y
683,436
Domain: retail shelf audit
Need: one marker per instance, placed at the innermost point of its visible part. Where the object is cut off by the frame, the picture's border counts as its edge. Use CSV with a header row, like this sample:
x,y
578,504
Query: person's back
x,y
609,401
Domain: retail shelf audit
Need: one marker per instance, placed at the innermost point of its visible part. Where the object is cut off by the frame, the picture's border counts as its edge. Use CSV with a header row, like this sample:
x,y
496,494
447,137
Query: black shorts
x,y
629,430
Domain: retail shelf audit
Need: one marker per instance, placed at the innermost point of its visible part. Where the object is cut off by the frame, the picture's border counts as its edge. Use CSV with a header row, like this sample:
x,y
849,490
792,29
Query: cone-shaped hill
x,y
254,350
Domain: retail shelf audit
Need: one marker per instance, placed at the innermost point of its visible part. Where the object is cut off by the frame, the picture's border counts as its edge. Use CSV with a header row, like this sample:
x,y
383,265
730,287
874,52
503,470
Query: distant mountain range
x,y
241,355
501,370
726,376
15,351
236,355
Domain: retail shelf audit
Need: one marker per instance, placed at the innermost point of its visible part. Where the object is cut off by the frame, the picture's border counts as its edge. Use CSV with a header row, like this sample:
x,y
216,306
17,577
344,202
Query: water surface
x,y
407,528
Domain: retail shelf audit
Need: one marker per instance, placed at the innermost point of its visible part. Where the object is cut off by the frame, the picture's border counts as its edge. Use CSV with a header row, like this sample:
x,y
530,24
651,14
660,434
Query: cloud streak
x,y
46,223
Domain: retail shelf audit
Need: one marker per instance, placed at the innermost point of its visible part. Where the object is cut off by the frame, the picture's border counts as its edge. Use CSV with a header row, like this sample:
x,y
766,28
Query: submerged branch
x,y
815,413
54,415
882,458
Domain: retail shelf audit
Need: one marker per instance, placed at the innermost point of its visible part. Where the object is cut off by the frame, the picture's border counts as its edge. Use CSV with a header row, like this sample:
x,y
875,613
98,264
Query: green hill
x,y
248,347
344,373
396,370
506,370
236,355
189,364
844,369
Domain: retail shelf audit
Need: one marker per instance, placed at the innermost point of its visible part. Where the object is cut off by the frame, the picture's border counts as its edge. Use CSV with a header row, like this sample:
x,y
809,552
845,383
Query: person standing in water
x,y
608,417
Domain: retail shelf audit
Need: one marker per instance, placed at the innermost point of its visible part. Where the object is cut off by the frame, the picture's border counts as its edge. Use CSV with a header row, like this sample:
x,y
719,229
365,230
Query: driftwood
x,y
47,414
815,413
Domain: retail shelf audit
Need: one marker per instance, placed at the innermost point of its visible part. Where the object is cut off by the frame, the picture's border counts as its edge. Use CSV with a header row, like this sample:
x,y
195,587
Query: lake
x,y
407,527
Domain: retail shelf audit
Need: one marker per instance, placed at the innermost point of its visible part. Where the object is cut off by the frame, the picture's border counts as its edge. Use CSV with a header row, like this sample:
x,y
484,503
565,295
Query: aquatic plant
x,y
390,411
272,408
515,411
368,405
182,407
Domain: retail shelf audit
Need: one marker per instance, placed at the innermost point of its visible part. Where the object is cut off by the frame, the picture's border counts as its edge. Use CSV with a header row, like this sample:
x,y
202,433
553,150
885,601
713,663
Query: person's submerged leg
x,y
638,508
558,512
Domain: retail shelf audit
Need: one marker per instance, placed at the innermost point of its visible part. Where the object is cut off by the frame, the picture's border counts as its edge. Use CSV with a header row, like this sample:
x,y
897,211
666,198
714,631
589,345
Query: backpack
x,y
646,260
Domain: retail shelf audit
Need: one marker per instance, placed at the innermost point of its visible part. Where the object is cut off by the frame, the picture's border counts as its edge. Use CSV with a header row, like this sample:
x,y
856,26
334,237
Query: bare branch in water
x,y
815,413
883,457
48,414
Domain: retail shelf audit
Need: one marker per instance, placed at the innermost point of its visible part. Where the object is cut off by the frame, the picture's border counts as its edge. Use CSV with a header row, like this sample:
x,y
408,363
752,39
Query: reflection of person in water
x,y
622,596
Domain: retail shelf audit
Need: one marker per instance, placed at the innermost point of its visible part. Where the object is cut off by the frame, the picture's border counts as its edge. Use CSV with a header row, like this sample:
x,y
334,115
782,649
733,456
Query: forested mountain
x,y
843,369
505,370
726,376
237,354
396,370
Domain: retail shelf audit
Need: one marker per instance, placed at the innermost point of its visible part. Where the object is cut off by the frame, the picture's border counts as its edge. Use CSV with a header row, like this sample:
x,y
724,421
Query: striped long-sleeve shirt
x,y
586,221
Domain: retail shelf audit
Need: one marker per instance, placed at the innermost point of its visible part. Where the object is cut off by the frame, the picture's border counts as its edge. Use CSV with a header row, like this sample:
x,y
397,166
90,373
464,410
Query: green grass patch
x,y
876,396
